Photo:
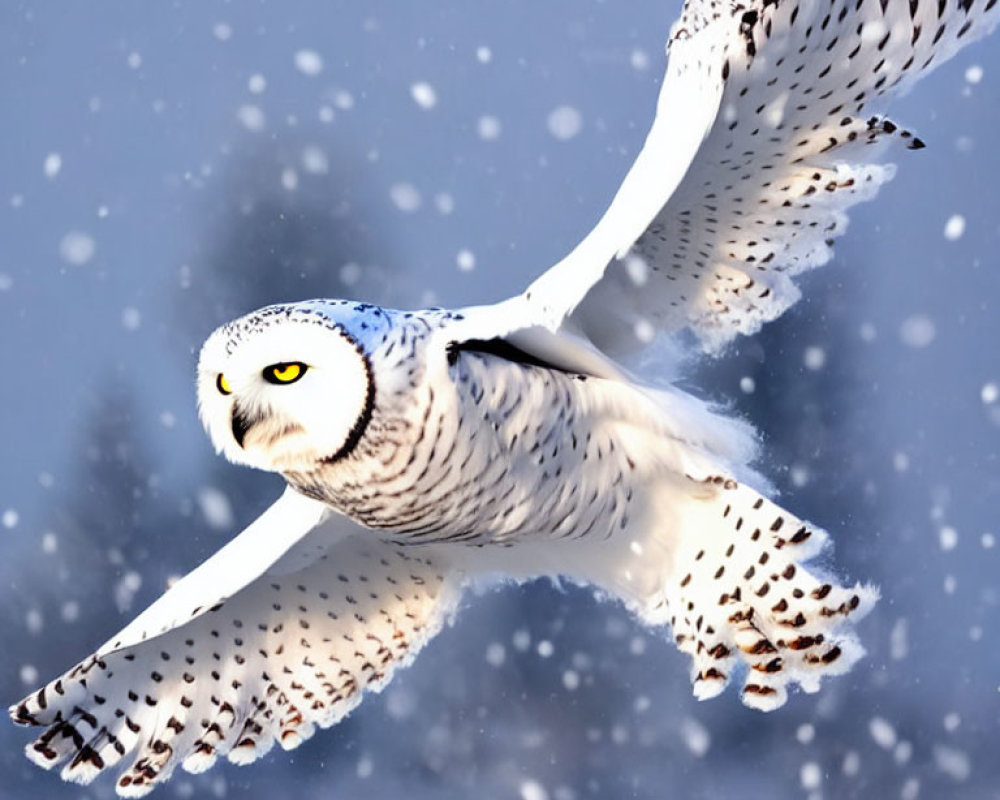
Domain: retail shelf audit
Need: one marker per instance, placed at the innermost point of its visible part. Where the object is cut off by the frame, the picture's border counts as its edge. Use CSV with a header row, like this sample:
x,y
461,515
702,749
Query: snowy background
x,y
166,166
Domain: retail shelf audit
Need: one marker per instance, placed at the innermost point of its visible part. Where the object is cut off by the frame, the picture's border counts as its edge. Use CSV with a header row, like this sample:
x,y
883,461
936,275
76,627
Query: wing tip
x,y
20,714
40,755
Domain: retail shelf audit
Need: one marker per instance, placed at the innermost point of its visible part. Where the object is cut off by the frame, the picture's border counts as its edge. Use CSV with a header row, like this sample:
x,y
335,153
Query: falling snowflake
x,y
309,62
565,122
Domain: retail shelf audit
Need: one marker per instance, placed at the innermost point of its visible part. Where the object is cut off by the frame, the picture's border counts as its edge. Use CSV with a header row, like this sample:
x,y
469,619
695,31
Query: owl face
x,y
283,389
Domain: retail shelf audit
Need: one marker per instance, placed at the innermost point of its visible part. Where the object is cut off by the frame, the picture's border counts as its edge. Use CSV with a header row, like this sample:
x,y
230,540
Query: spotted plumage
x,y
422,450
269,664
784,124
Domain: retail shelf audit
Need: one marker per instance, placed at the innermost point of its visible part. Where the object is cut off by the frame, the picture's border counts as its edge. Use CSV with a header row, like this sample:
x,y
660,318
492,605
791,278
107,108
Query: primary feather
x,y
794,91
292,650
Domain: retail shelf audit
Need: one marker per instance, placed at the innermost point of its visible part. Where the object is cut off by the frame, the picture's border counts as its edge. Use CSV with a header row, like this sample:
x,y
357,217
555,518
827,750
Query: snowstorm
x,y
167,167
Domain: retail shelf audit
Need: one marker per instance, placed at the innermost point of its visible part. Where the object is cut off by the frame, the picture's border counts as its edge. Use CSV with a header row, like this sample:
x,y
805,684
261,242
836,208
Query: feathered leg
x,y
740,590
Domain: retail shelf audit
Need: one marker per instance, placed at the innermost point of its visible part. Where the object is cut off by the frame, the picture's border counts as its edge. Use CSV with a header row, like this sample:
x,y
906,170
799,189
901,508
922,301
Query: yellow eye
x,y
284,373
223,385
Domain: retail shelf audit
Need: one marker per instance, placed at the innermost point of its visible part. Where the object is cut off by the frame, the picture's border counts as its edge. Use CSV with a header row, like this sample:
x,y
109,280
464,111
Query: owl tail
x,y
738,591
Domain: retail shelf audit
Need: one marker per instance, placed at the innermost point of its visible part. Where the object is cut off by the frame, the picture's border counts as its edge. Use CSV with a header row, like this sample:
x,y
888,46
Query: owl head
x,y
286,387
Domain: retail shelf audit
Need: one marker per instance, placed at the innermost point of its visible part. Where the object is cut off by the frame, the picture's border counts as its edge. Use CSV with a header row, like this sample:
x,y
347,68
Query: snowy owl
x,y
426,449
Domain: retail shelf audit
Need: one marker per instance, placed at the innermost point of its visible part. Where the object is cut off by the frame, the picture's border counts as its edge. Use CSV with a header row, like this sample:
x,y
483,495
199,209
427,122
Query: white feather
x,y
240,562
764,136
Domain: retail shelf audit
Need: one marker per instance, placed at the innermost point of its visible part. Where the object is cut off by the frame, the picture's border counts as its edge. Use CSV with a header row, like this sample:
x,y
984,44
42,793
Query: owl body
x,y
535,466
480,443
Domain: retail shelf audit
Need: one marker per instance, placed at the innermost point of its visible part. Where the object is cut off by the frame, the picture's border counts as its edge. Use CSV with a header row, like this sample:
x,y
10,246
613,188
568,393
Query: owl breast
x,y
499,451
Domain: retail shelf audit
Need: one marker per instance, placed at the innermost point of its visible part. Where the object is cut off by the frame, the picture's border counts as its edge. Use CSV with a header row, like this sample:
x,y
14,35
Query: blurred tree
x,y
281,232
109,542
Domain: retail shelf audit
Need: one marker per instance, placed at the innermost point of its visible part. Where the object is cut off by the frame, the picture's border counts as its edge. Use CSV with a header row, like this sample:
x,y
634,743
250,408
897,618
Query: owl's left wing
x,y
294,648
764,136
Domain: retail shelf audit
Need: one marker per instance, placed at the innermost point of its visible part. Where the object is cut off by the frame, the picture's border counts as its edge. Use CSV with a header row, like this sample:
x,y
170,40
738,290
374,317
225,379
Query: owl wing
x,y
292,647
276,534
765,134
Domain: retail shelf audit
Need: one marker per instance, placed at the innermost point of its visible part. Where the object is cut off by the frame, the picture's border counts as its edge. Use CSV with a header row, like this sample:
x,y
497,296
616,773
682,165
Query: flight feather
x,y
796,91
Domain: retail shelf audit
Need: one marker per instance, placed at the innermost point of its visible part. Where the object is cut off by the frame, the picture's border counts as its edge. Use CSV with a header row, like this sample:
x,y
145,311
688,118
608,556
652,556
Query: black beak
x,y
240,425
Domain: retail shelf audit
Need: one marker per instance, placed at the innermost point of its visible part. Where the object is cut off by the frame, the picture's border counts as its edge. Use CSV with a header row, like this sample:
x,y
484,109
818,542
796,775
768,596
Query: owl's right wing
x,y
765,134
294,648
287,532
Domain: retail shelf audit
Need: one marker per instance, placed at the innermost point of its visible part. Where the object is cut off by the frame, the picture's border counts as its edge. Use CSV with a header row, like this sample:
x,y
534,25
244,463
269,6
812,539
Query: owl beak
x,y
241,424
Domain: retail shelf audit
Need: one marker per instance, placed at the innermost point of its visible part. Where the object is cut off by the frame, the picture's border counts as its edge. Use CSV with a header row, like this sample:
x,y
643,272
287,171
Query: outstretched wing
x,y
276,534
765,134
292,649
